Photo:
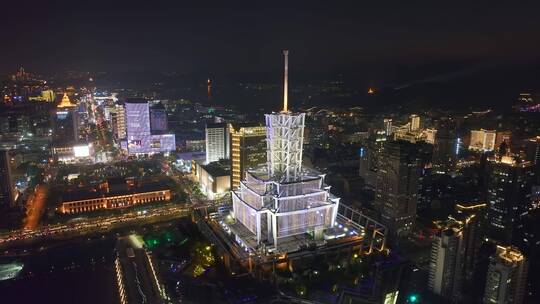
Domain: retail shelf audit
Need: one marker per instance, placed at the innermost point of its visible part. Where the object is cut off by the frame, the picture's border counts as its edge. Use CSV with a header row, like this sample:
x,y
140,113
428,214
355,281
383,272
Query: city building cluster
x,y
440,205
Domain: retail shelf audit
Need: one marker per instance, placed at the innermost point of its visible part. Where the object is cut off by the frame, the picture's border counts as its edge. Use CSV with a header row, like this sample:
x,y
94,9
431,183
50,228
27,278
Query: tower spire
x,y
286,82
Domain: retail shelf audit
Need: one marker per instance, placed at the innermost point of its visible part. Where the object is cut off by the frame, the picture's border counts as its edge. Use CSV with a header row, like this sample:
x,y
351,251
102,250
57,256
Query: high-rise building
x,y
388,126
454,252
506,279
158,118
482,140
509,184
369,159
444,148
217,142
397,186
248,150
140,137
445,259
66,123
414,121
120,122
471,217
282,204
6,187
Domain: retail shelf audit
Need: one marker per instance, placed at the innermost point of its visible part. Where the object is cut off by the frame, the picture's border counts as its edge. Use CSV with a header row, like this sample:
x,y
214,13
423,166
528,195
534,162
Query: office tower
x,y
158,118
414,121
7,198
482,140
454,252
444,148
471,217
283,204
217,142
140,137
506,279
397,186
66,122
508,196
369,159
388,126
114,124
248,150
445,259
120,129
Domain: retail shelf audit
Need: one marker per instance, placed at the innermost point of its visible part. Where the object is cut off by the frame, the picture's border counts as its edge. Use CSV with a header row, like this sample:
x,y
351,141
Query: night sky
x,y
367,37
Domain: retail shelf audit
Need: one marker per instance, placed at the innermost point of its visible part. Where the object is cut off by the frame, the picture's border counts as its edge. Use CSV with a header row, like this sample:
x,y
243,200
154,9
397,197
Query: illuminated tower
x,y
283,205
285,137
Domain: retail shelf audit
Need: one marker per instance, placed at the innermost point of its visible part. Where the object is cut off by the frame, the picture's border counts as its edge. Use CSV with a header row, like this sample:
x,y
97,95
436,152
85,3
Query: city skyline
x,y
372,153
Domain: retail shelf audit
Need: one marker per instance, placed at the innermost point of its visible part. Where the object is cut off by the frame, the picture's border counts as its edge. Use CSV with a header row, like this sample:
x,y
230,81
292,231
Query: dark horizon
x,y
360,39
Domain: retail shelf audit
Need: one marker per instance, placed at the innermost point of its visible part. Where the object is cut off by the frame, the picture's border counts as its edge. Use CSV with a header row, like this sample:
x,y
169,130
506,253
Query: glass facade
x,y
140,139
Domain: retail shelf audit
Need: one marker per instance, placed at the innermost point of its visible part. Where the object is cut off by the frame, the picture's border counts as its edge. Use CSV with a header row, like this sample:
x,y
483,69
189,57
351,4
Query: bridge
x,y
136,276
374,232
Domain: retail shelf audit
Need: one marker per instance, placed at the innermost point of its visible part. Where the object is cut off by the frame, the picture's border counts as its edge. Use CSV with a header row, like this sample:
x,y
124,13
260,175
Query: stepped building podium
x,y
282,205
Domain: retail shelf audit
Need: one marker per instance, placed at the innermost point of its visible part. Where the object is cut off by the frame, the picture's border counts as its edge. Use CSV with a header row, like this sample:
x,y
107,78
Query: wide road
x,y
93,225
35,208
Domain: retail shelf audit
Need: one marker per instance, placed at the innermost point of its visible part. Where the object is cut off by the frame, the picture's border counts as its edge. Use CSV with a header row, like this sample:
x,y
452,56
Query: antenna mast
x,y
286,82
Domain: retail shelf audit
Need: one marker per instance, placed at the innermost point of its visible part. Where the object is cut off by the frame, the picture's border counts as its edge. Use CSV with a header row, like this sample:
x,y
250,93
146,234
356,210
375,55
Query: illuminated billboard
x,y
81,151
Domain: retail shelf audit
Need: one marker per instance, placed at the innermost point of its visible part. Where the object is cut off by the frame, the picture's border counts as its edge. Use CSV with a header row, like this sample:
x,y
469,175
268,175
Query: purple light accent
x,y
139,137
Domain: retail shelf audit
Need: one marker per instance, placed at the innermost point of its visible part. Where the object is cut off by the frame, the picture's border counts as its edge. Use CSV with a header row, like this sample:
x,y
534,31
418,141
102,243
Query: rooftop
x,y
217,169
92,193
136,100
